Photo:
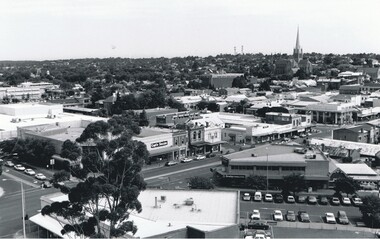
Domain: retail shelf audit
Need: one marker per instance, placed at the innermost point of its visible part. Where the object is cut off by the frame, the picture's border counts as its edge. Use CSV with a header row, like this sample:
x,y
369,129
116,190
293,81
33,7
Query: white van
x,y
258,196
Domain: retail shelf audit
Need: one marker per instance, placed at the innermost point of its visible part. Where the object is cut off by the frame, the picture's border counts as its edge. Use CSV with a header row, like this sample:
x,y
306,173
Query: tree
x,y
60,176
256,182
346,185
293,183
239,82
200,183
265,85
143,119
111,174
34,151
370,210
71,150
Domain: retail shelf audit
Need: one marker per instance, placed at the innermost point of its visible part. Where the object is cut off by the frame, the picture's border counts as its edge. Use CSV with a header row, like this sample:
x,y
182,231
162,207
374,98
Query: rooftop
x,y
365,149
148,132
356,169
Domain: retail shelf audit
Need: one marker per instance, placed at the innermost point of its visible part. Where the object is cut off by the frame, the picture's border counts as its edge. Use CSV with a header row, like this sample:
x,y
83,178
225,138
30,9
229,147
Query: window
x,y
199,134
216,135
194,135
293,168
261,167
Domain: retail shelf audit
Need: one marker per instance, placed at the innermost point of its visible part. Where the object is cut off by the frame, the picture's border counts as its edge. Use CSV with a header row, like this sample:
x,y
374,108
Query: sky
x,y
67,29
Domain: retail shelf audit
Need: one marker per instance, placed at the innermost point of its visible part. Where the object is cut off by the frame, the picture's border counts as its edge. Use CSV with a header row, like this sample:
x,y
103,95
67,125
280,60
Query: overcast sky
x,y
61,29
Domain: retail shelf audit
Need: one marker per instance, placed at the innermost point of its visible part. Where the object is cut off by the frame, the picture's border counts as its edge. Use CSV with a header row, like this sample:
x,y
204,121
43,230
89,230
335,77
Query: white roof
x,y
356,169
365,149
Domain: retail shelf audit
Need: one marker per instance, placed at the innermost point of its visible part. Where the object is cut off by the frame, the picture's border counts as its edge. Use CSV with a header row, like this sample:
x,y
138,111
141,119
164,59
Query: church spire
x,y
298,38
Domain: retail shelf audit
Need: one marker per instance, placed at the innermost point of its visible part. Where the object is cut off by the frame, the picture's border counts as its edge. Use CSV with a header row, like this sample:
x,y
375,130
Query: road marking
x,y
17,179
183,170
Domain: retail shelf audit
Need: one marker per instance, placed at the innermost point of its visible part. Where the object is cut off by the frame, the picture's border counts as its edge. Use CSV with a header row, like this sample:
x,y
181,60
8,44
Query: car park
x,y
335,201
342,217
246,197
290,216
171,163
346,201
303,216
255,215
357,201
258,224
301,199
323,200
268,197
200,157
257,196
312,200
186,160
9,164
290,199
29,171
277,215
40,176
330,218
19,167
278,198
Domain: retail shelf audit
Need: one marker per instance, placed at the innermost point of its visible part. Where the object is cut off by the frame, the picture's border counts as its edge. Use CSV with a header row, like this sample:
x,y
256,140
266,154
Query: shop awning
x,y
166,150
201,143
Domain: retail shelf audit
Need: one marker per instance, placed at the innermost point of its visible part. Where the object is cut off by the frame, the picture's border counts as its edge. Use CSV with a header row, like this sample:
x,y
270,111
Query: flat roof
x,y
366,149
147,132
276,153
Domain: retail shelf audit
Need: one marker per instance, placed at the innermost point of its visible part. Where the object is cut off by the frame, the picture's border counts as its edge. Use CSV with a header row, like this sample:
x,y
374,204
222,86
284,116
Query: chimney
x,y
155,202
361,130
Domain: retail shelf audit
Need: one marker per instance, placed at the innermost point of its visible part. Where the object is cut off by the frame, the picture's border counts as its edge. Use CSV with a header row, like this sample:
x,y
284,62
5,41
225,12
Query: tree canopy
x,y
256,182
346,185
370,210
71,150
293,183
110,174
200,183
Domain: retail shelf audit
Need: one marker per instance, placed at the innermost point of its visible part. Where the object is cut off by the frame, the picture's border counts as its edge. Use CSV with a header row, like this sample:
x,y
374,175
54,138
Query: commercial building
x,y
164,144
275,162
169,120
220,81
332,113
363,134
350,89
165,214
360,172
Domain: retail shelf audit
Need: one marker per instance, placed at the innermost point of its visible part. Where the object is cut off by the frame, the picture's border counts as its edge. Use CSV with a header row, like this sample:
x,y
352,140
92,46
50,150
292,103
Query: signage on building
x,y
159,144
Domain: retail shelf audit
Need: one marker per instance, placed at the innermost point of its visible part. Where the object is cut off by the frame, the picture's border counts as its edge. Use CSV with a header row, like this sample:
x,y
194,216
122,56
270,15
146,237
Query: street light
x,y
267,167
22,204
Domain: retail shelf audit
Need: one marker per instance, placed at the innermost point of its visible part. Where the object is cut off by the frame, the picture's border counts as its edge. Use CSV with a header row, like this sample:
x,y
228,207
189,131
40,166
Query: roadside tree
x,y
293,183
200,183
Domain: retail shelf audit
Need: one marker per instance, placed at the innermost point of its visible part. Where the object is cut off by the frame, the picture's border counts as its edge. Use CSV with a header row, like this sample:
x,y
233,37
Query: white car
x,y
346,201
29,171
19,167
268,197
255,215
277,215
9,164
246,197
200,157
40,176
330,218
186,160
357,201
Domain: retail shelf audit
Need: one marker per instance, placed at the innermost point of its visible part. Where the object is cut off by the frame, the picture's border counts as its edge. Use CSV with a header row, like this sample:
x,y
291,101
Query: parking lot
x,y
316,212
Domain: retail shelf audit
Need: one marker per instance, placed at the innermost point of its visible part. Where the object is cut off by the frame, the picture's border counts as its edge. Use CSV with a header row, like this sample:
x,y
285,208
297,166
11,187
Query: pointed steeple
x,y
298,38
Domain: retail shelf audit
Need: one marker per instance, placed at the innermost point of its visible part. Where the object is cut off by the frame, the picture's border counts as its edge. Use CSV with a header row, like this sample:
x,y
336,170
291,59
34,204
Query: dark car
x,y
342,218
323,201
46,184
210,155
278,198
290,216
301,199
257,224
303,216
312,200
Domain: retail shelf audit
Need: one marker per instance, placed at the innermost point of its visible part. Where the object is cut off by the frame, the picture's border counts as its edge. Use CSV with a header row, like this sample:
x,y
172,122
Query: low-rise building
x,y
363,134
332,113
220,81
276,162
360,172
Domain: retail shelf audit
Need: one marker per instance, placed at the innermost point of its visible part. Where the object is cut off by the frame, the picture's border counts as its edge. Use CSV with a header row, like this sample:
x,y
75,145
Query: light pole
x,y
267,167
22,204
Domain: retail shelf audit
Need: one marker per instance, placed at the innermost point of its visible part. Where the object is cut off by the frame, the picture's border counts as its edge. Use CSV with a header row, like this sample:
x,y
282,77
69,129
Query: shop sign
x,y
159,144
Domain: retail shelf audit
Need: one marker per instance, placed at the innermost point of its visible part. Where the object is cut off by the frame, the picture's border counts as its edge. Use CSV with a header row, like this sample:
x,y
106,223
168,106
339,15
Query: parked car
x,y
290,199
263,225
303,216
268,197
330,218
246,197
357,201
260,234
9,164
301,199
323,201
186,160
346,201
295,137
210,155
290,216
19,167
277,215
255,215
40,176
200,157
278,198
335,201
29,171
342,217
368,186
171,163
312,200
257,196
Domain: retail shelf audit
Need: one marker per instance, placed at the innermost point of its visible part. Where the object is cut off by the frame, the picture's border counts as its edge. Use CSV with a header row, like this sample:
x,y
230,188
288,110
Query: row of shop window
x,y
270,168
